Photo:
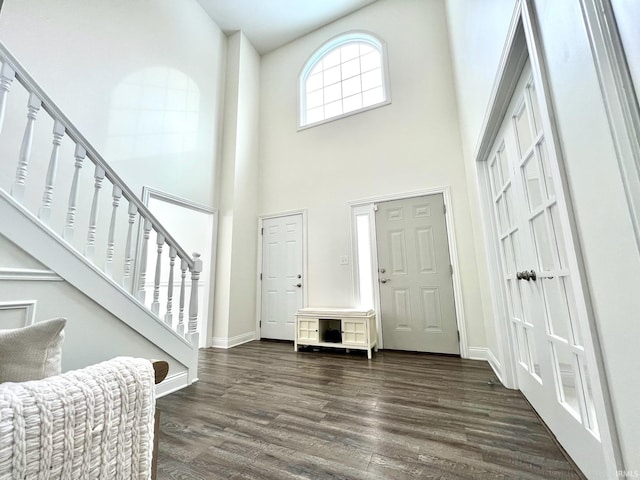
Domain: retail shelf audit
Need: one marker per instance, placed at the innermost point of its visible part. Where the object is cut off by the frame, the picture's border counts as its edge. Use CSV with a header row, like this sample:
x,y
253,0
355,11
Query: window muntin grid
x,y
345,76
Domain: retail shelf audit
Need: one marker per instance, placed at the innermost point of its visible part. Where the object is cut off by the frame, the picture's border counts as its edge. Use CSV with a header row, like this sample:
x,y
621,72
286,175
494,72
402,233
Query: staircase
x,y
72,214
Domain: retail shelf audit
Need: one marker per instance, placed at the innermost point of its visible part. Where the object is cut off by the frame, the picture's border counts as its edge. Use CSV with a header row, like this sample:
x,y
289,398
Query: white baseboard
x,y
483,353
172,384
223,342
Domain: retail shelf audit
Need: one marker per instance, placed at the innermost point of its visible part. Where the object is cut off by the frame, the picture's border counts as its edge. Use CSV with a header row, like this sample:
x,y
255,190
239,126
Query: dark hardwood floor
x,y
262,411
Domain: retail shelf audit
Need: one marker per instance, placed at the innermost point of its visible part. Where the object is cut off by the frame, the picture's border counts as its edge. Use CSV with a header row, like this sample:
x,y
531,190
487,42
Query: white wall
x,y
409,145
606,236
236,270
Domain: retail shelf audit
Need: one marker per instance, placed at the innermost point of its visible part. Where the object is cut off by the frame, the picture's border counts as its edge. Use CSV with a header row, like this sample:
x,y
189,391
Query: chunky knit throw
x,y
96,422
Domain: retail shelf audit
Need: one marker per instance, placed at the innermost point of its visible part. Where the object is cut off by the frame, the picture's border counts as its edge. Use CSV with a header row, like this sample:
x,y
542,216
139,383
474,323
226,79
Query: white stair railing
x,y
12,73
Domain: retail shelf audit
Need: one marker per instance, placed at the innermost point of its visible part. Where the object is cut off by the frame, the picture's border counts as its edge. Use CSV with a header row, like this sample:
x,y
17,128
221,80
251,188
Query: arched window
x,y
348,74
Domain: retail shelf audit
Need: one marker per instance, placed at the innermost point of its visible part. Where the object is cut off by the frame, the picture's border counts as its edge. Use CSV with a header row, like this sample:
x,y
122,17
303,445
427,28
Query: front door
x,y
282,282
540,281
416,288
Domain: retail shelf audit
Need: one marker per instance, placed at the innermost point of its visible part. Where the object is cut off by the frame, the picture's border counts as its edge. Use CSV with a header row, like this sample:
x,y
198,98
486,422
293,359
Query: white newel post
x,y
168,318
69,227
7,74
155,305
128,258
17,189
193,336
45,210
90,248
108,266
142,278
183,279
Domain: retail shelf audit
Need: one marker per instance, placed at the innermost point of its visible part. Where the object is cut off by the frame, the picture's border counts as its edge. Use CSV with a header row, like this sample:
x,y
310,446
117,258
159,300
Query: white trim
x,y
28,274
445,191
172,383
223,342
478,353
207,317
485,354
305,270
515,54
621,105
28,305
325,48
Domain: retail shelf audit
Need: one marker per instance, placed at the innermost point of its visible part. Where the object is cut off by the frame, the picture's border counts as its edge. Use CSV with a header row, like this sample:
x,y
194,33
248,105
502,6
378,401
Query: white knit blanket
x,y
96,422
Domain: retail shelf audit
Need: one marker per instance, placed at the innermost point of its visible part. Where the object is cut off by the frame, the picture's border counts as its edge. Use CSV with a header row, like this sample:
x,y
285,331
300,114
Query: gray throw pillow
x,y
33,352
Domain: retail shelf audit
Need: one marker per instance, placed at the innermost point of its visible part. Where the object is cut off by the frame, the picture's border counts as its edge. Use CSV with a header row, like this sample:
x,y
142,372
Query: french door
x,y
551,348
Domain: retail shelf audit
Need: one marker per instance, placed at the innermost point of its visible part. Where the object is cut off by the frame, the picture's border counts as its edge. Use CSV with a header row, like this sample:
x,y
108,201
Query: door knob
x,y
299,285
385,280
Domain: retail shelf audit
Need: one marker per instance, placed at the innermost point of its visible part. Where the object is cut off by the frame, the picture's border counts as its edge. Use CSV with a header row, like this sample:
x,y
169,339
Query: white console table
x,y
357,328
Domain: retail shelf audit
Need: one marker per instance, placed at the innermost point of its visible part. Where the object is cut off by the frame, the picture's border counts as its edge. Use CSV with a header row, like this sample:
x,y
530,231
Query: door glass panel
x,y
566,379
534,366
522,356
503,162
558,312
523,129
508,203
515,298
592,421
496,181
561,251
543,246
533,183
502,214
507,251
546,169
533,100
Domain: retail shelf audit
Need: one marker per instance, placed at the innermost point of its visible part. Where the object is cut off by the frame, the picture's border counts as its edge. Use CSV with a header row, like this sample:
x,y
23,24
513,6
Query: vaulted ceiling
x,y
270,24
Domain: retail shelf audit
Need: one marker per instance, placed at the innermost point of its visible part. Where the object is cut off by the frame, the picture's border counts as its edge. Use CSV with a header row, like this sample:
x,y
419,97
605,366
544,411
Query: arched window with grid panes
x,y
347,75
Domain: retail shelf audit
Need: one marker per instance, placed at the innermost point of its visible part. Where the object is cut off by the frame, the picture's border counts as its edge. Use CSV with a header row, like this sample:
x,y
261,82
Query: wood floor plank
x,y
262,411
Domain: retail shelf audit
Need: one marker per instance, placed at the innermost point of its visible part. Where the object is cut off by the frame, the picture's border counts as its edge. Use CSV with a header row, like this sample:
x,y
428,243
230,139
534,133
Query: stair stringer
x,y
25,230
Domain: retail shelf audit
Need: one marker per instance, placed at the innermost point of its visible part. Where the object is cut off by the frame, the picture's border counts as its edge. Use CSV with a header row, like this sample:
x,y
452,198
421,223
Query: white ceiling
x,y
270,24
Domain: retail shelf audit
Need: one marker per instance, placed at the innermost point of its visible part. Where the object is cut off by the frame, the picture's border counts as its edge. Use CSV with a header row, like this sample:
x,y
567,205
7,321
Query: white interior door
x,y
416,289
541,284
282,282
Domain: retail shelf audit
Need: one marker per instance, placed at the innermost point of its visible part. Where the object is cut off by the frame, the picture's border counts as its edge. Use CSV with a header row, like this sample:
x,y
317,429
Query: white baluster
x,y
108,266
168,318
155,305
183,276
143,260
45,210
90,248
17,189
69,227
7,74
193,302
128,259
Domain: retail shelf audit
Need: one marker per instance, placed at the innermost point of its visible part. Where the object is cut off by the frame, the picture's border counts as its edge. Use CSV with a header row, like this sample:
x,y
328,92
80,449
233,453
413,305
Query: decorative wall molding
x,y
223,342
29,307
28,274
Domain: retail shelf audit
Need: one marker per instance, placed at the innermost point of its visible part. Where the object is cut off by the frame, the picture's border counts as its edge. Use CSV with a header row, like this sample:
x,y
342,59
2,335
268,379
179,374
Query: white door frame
x,y
524,43
305,280
147,193
359,207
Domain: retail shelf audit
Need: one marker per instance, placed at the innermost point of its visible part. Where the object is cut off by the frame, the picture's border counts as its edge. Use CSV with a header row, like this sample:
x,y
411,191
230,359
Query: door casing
x,y
366,206
305,290
524,43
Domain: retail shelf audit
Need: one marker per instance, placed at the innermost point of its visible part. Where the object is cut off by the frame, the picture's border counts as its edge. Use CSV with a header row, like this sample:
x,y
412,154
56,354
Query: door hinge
x,y
444,208
260,276
458,334
451,269
262,231
375,207
261,327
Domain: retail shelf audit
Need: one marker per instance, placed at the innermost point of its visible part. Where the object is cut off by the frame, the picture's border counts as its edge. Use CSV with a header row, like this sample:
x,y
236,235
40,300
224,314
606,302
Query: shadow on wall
x,y
153,111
